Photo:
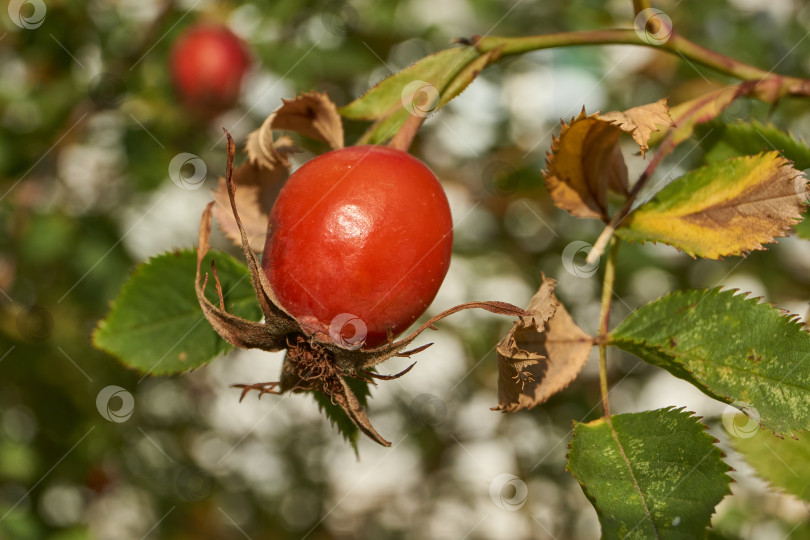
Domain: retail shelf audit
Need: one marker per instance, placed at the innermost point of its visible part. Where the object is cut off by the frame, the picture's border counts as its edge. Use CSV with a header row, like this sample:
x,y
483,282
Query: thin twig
x,y
604,324
607,233
777,87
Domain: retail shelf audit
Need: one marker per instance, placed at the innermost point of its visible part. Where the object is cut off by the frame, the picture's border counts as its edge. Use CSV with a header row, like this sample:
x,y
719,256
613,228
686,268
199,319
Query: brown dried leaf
x,y
583,163
311,114
542,353
641,121
585,160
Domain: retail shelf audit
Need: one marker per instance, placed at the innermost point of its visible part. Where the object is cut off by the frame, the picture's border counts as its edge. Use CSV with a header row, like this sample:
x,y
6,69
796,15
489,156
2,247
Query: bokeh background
x,y
88,126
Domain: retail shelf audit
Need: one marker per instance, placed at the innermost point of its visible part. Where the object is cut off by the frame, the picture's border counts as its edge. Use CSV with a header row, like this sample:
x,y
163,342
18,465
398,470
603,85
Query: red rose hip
x,y
207,66
359,241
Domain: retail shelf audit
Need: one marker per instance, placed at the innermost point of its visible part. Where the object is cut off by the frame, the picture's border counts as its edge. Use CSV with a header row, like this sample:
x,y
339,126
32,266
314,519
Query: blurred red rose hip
x,y
208,63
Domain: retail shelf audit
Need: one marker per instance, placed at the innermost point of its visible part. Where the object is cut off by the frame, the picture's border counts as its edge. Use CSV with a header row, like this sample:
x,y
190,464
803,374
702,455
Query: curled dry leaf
x,y
313,362
542,353
641,122
260,179
585,160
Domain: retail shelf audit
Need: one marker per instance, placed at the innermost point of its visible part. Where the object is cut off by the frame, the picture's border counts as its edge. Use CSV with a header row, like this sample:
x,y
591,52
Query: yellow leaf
x,y
726,208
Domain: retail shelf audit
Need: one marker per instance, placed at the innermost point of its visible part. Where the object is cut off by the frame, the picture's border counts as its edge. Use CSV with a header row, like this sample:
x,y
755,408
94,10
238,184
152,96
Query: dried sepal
x,y
235,330
258,189
349,403
260,179
542,353
272,309
363,359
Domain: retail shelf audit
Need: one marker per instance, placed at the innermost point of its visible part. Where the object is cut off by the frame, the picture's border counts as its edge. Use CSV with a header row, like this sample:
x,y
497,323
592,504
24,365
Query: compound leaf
x,y
655,474
156,326
725,208
732,348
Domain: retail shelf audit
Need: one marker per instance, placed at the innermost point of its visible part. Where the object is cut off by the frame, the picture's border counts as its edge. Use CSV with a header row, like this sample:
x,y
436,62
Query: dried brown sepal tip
x,y
313,362
542,353
311,114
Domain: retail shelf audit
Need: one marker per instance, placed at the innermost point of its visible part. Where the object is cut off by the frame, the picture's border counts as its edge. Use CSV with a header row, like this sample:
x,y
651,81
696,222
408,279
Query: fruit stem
x,y
604,322
404,137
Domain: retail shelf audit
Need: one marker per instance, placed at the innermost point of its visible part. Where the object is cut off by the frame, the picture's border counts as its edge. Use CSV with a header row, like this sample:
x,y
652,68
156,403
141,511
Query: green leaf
x,y
803,228
156,325
782,462
431,77
731,347
655,474
338,417
721,141
725,208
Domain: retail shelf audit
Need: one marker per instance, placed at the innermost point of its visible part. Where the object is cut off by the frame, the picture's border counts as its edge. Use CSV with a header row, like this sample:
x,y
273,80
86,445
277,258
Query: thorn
x,y
407,354
391,377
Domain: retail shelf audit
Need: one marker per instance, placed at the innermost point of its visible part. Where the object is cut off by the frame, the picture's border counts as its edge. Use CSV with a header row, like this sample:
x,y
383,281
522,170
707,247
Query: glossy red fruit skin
x,y
207,65
364,231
